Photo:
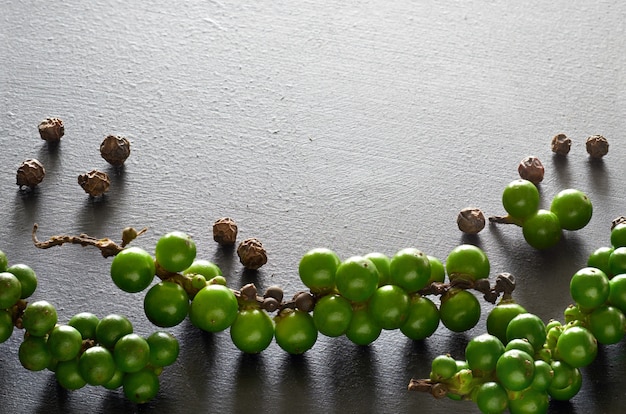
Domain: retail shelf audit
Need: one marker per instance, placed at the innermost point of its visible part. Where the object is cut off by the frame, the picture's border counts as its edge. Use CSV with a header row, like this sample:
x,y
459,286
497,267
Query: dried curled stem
x,y
504,220
504,284
438,390
107,246
17,311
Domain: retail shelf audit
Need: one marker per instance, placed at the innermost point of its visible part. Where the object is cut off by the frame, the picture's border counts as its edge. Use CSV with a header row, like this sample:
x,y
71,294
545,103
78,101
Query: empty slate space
x,y
355,126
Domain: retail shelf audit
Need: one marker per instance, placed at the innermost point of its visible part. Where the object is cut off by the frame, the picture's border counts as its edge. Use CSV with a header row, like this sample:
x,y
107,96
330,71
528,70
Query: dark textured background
x,y
355,125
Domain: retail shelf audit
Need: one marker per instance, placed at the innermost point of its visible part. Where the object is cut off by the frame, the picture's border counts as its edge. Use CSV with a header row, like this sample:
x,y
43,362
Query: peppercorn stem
x,y
420,385
107,246
505,220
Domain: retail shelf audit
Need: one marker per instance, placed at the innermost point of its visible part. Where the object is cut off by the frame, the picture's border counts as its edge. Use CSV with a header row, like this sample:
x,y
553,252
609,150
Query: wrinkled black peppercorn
x,y
115,150
561,144
597,146
30,173
95,183
51,130
251,254
531,169
225,231
471,220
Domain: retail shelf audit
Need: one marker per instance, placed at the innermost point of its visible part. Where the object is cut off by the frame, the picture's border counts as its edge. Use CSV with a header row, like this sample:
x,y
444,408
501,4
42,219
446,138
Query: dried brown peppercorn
x,y
251,253
561,144
51,130
95,183
531,169
597,146
115,150
30,173
225,231
471,220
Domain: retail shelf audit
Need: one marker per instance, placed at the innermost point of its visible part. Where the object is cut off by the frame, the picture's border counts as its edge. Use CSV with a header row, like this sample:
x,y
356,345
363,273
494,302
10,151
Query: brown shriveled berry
x,y
305,301
30,173
225,231
561,144
275,292
51,130
248,292
531,169
471,220
95,183
505,282
115,149
130,233
270,304
482,285
251,253
597,146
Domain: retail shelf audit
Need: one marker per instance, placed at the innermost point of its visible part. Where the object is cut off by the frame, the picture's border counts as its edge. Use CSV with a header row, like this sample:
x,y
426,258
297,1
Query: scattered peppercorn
x,y
51,130
471,220
597,146
225,231
531,169
30,173
251,253
561,144
115,150
95,183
